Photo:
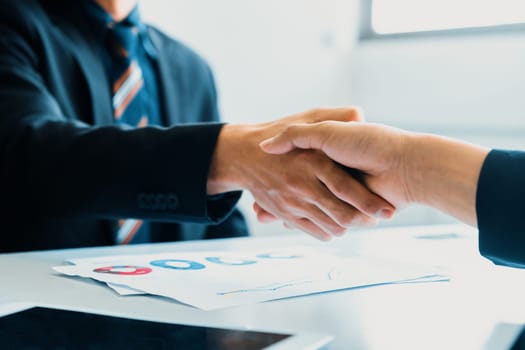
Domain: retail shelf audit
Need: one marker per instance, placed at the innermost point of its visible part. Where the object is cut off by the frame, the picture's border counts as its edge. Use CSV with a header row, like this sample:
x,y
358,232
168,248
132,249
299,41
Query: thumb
x,y
295,136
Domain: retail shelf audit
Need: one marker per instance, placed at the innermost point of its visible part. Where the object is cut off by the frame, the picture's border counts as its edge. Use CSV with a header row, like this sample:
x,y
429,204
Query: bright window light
x,y
405,16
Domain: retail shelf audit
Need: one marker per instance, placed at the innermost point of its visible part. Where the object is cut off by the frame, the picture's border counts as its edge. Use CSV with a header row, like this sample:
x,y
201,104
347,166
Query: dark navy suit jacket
x,y
500,205
66,173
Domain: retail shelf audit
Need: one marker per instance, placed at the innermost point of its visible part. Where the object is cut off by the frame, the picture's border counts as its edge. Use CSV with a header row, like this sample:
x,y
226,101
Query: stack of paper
x,y
217,279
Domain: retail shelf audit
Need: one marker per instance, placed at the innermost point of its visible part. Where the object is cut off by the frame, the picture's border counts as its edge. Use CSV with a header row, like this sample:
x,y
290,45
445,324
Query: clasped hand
x,y
402,167
371,149
304,188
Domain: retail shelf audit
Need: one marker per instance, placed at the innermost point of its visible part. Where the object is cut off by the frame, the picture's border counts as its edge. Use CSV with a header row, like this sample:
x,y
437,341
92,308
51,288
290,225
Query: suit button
x,y
146,201
173,201
142,201
160,202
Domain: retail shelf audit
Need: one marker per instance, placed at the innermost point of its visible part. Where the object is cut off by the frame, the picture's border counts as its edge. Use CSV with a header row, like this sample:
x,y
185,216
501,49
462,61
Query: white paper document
x,y
218,279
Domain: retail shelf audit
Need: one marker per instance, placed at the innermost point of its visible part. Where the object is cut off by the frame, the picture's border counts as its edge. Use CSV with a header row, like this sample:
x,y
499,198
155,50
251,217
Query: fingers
x,y
342,114
343,201
319,212
319,219
298,214
351,192
304,136
318,115
340,212
309,227
262,215
329,206
302,224
331,137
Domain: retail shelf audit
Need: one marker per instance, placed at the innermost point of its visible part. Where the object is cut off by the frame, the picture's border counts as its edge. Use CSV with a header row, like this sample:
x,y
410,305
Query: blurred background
x,y
453,67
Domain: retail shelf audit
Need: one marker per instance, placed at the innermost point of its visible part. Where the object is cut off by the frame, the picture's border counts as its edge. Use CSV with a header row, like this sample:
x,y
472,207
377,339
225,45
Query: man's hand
x,y
377,151
304,188
400,166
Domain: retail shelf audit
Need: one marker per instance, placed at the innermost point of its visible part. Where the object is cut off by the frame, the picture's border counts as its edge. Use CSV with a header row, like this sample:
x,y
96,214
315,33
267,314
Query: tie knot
x,y
123,39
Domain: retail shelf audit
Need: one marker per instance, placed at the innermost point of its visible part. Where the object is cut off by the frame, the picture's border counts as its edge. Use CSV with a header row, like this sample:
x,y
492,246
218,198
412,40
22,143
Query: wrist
x,y
224,174
445,174
416,166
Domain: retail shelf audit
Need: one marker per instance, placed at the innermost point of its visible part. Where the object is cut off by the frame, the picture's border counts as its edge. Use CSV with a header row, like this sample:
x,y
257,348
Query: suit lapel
x,y
98,87
73,25
171,105
96,78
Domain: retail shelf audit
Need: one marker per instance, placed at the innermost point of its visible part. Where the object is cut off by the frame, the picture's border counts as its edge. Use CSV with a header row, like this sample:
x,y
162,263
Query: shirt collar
x,y
103,20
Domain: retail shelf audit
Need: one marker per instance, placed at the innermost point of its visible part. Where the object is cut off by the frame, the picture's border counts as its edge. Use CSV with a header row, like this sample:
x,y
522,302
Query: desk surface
x,y
445,315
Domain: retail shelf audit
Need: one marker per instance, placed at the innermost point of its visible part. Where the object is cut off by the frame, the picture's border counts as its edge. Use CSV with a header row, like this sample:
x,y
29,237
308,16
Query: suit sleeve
x,y
57,167
500,206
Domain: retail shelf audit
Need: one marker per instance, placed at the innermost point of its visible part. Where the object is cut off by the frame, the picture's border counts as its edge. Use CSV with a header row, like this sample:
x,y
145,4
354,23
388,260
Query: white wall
x,y
470,87
469,84
270,57
274,57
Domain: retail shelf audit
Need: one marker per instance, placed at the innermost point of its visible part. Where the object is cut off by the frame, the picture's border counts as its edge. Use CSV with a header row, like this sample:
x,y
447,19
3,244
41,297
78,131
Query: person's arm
x,y
481,188
55,166
235,224
443,173
400,166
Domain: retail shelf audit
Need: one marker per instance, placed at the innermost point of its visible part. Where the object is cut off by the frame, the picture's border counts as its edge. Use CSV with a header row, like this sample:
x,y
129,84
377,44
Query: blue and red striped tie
x,y
128,106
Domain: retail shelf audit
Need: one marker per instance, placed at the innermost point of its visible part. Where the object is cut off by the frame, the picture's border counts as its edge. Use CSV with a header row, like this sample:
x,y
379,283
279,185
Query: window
x,y
410,16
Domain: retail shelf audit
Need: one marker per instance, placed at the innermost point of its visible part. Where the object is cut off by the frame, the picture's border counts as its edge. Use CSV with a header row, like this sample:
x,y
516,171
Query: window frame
x,y
366,32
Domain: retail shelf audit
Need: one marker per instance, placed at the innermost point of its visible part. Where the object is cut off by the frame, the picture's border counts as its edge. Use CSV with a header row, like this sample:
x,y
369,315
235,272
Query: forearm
x,y
443,173
63,169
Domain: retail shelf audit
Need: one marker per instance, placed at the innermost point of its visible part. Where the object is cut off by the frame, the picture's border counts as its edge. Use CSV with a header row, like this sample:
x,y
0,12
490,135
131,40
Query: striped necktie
x,y
128,100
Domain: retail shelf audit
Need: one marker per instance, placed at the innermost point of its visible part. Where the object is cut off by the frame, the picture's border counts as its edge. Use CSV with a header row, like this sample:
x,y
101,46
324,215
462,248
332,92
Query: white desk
x,y
443,315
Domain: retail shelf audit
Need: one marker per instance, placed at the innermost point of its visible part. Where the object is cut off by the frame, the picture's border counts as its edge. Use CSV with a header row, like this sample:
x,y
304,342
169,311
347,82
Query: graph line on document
x,y
330,276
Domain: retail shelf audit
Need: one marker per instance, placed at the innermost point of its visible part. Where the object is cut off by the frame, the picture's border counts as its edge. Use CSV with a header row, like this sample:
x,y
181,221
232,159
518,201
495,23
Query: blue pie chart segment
x,y
230,261
277,255
177,264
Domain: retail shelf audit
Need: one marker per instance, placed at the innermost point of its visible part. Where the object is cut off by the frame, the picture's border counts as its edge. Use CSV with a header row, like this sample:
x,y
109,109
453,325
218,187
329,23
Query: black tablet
x,y
48,328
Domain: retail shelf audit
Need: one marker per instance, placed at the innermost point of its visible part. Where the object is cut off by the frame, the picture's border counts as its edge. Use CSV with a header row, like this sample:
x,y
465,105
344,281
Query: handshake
x,y
325,170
